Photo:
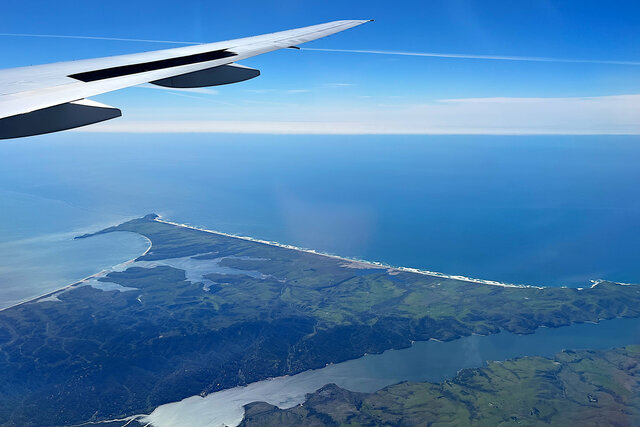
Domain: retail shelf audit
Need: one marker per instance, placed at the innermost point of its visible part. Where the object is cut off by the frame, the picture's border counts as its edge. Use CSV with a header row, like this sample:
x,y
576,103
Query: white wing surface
x,y
52,97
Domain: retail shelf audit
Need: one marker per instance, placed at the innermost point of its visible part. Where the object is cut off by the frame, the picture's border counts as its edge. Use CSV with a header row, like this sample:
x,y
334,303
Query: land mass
x,y
584,388
202,311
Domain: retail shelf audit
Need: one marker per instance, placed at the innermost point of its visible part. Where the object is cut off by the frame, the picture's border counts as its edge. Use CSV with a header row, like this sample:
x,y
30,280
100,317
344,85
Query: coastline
x,y
355,261
70,286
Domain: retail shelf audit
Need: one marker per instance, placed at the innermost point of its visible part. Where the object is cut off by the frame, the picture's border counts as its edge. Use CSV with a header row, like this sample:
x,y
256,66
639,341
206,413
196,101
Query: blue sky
x,y
366,93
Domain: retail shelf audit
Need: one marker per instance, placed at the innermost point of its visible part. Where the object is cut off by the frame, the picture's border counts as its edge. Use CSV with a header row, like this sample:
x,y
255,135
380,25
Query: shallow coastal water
x,y
196,267
38,253
51,262
424,361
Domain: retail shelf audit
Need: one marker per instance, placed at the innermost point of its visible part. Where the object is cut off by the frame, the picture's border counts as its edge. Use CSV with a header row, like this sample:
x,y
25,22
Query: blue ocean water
x,y
545,210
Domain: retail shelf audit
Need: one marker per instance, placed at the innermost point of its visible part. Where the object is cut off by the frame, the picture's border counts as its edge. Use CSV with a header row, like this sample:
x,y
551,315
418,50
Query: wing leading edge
x,y
52,97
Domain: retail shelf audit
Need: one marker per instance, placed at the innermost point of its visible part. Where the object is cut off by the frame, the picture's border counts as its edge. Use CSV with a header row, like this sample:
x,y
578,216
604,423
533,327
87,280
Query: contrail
x,y
484,57
56,36
367,51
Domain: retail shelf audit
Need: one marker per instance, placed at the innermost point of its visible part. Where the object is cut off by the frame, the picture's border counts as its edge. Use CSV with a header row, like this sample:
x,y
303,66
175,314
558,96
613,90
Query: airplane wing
x,y
52,97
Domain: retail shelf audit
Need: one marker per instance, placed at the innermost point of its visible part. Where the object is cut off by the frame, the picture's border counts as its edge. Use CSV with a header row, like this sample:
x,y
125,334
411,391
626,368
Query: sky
x,y
324,92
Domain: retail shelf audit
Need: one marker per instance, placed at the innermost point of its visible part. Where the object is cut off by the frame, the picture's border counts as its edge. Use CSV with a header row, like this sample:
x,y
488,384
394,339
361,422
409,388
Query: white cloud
x,y
202,90
581,115
604,114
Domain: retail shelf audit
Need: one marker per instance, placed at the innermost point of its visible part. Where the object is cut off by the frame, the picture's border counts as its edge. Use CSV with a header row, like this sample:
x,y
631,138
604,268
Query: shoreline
x,y
148,420
81,281
355,261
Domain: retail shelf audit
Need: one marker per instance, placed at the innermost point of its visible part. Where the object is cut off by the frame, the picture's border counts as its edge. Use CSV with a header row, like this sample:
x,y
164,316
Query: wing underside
x,y
52,97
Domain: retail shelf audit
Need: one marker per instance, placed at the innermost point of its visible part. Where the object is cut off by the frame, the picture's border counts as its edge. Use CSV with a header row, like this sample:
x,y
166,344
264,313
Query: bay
x,y
423,361
38,253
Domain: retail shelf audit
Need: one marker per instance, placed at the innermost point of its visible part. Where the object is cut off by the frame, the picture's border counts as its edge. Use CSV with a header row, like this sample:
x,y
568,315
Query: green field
x,y
585,388
94,354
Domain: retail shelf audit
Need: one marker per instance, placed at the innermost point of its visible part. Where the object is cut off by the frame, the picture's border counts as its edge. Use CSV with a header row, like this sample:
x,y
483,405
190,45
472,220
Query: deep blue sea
x,y
544,210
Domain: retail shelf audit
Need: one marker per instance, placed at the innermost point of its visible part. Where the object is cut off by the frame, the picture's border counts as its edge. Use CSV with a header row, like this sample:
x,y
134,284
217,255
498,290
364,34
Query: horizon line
x,y
325,128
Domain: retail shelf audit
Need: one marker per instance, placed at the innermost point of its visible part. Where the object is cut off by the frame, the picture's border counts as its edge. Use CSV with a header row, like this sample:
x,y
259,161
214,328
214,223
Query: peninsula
x,y
203,311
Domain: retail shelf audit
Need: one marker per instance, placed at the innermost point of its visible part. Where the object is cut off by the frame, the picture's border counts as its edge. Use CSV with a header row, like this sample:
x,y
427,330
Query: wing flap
x,y
222,75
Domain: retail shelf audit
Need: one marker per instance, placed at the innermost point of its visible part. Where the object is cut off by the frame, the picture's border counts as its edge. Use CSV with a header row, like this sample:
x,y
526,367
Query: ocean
x,y
542,210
